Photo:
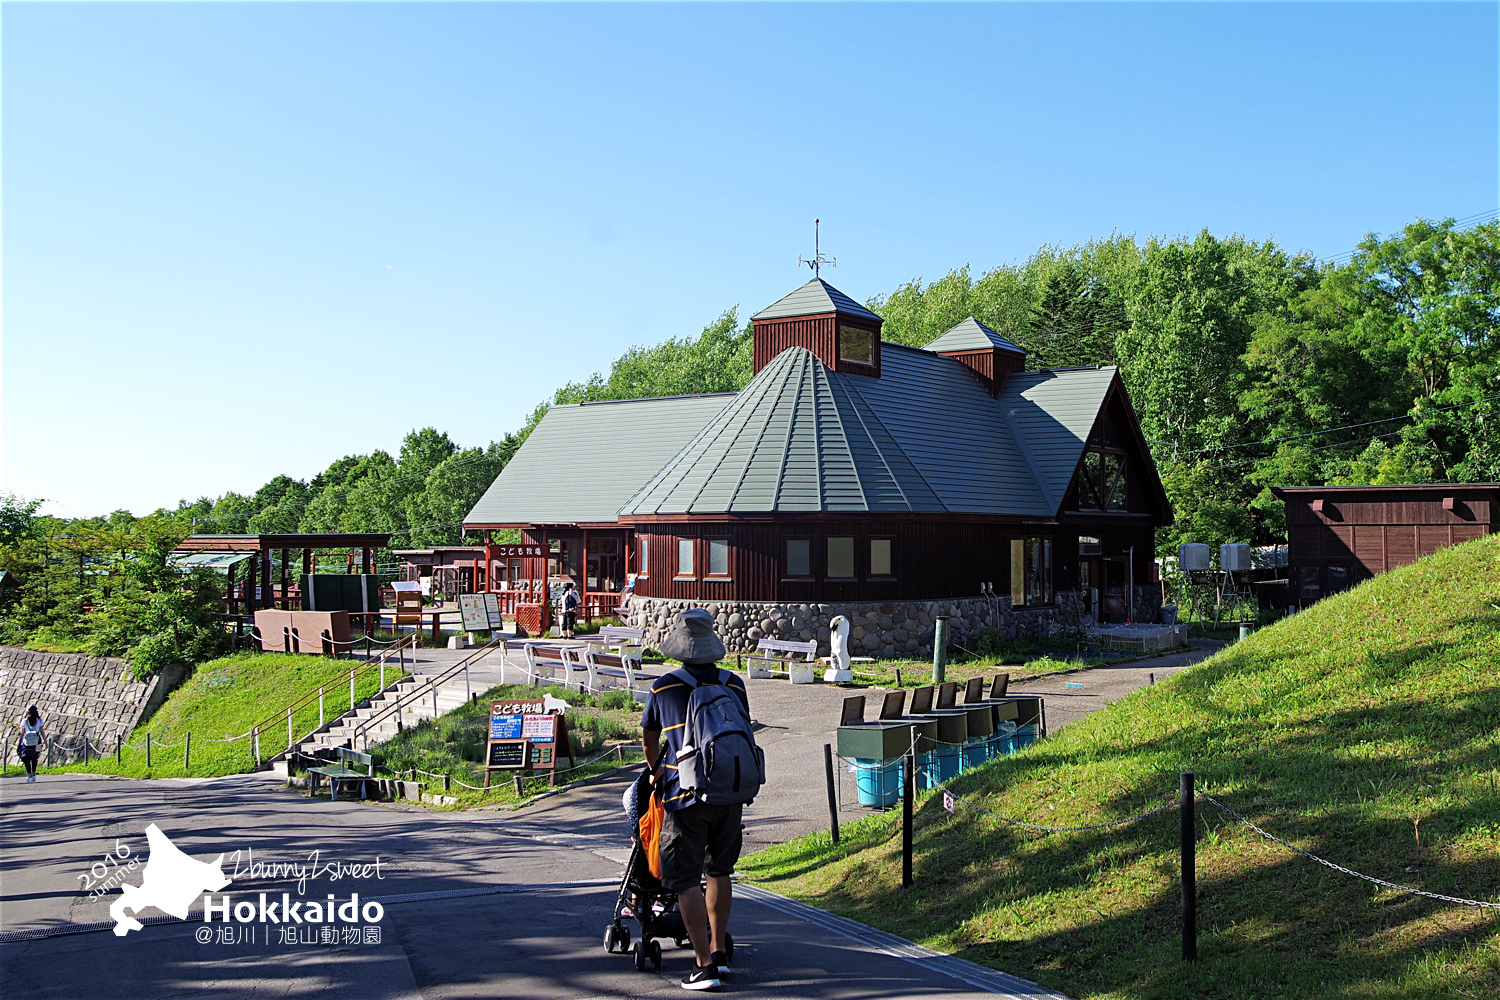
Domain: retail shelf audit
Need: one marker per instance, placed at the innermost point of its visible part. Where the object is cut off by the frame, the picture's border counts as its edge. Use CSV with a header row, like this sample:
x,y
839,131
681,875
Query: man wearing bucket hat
x,y
697,837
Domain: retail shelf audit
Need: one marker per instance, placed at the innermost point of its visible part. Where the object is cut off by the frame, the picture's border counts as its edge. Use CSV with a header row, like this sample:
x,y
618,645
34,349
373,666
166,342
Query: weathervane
x,y
818,260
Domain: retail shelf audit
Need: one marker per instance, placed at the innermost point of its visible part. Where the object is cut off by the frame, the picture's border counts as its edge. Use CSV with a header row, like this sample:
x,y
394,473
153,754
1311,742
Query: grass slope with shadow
x,y
1365,730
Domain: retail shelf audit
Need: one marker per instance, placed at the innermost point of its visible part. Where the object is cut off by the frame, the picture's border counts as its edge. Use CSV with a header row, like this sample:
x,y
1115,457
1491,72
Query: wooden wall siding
x,y
819,334
1373,548
931,560
1427,510
989,367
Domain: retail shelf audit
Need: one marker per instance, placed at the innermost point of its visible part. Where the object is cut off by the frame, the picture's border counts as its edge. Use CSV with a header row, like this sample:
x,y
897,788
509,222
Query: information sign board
x,y
475,615
510,754
524,736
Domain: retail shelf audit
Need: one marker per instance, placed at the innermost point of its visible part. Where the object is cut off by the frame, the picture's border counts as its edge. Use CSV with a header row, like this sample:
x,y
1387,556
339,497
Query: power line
x,y
1326,430
1473,220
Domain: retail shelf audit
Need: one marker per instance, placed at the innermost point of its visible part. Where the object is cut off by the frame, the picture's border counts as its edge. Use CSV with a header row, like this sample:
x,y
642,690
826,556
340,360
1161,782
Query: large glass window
x,y
642,547
856,345
718,557
840,559
1338,579
880,557
799,557
1030,572
685,557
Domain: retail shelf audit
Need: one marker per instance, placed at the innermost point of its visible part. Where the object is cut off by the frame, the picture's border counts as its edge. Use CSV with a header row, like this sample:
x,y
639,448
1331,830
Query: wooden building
x,y
276,587
848,471
1340,535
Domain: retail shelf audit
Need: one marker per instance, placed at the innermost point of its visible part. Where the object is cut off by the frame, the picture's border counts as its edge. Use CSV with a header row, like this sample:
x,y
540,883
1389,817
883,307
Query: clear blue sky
x,y
243,240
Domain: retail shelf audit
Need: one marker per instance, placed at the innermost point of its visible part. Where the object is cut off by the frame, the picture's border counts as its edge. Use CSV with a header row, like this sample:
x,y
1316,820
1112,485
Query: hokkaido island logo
x,y
171,881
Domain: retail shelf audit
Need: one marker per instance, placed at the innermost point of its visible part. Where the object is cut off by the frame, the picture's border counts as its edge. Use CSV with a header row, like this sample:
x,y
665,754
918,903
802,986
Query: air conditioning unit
x,y
1192,557
1234,557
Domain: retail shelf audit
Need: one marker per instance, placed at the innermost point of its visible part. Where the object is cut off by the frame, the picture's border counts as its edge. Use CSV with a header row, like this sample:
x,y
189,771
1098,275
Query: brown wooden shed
x,y
1340,535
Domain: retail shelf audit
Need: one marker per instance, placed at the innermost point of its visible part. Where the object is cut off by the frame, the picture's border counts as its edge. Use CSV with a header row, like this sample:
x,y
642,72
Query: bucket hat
x,y
693,639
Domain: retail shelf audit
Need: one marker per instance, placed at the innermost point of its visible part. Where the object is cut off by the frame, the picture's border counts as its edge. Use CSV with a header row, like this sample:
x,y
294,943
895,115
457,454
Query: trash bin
x,y
974,752
1168,615
878,782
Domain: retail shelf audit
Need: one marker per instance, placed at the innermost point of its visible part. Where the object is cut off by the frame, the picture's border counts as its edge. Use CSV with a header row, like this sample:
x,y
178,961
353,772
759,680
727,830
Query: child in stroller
x,y
642,897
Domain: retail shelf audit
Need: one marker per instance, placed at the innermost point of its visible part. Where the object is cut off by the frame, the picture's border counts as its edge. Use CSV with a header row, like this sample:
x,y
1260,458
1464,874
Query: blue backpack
x,y
719,761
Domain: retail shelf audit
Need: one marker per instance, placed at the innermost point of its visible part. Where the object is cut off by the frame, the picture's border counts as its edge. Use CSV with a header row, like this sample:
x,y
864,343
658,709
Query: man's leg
x,y
695,917
720,895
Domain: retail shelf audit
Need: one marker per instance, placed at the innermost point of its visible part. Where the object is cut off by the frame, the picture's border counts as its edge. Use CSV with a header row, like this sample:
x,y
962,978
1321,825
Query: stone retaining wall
x,y
885,629
78,694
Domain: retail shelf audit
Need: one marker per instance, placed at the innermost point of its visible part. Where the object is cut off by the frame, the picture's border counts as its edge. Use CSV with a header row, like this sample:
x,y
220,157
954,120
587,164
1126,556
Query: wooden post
x,y
908,795
364,562
267,598
187,751
833,800
229,592
286,596
1189,869
939,650
119,750
148,751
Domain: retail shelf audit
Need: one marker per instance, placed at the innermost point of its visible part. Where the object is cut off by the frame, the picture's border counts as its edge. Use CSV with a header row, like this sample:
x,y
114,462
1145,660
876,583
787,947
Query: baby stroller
x,y
642,897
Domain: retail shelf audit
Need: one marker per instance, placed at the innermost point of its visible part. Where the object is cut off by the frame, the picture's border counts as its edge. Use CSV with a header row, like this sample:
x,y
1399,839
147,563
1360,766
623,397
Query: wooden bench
x,y
783,652
347,769
601,665
544,661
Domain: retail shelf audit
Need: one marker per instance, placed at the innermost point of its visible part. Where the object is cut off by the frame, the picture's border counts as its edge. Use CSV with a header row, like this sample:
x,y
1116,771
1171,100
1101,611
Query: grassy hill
x,y
224,698
1363,730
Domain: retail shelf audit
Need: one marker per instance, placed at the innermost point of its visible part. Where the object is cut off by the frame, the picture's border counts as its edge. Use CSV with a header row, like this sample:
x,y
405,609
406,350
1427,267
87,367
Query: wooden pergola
x,y
263,545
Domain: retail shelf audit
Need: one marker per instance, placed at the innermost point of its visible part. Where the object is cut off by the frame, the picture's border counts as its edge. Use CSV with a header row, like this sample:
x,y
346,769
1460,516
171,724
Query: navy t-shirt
x,y
666,712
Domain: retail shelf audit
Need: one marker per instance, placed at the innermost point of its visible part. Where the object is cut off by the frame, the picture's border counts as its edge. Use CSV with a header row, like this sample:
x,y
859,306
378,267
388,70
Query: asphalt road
x,y
476,904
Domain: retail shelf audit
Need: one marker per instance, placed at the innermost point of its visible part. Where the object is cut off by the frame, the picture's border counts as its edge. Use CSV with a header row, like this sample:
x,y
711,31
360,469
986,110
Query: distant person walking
x,y
708,770
33,738
567,609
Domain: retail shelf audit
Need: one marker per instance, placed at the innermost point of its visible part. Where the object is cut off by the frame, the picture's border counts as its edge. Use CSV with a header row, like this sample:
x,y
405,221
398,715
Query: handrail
x,y
432,683
374,663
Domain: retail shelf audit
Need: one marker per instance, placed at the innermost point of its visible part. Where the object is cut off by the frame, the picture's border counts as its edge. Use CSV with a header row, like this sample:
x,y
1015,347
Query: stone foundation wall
x,y
885,629
78,694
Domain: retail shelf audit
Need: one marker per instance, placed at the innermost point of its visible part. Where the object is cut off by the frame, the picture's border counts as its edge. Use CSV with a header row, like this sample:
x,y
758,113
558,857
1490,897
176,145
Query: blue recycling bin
x,y
927,770
1025,735
974,752
878,782
1004,740
946,761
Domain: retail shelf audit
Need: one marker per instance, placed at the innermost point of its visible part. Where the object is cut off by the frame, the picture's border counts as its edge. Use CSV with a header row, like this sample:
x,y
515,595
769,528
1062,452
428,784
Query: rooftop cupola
x,y
981,350
840,332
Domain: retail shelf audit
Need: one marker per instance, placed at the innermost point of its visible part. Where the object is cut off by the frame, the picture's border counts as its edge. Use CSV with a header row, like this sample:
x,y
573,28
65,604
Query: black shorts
x,y
701,838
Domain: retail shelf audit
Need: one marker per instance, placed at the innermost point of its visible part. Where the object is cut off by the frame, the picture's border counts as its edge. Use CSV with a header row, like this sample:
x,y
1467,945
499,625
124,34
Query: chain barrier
x,y
1347,871
1046,829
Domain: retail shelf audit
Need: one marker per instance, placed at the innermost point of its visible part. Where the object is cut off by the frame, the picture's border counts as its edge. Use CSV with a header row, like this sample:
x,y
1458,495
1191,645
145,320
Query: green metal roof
x,y
815,298
925,436
1053,412
797,438
972,335
584,460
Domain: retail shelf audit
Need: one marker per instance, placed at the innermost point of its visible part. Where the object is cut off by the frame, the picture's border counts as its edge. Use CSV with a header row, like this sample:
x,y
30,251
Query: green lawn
x,y
224,698
1363,730
454,745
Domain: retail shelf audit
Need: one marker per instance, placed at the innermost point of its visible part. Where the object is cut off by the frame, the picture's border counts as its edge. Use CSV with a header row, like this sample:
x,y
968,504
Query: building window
x,y
799,557
1338,579
718,557
1088,545
856,345
641,548
1030,572
1310,590
685,558
880,557
840,559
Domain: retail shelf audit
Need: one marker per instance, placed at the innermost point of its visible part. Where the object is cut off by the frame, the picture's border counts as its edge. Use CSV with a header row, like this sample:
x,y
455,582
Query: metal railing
x,y
422,690
370,666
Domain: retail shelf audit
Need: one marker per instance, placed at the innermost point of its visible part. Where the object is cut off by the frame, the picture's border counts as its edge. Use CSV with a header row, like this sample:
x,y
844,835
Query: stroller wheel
x,y
729,945
653,952
611,937
639,954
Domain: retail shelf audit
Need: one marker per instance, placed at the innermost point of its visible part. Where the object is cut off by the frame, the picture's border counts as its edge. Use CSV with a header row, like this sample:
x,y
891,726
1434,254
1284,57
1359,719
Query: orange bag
x,y
650,830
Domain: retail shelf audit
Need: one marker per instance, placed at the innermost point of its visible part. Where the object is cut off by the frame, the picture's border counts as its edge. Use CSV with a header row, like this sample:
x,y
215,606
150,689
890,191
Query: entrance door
x,y
1114,590
1090,579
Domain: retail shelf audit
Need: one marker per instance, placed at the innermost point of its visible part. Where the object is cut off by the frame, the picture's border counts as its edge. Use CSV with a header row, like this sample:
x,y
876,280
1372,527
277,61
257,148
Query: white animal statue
x,y
838,671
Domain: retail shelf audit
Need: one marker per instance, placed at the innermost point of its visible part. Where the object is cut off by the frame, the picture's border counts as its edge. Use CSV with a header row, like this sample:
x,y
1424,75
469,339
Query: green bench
x,y
347,769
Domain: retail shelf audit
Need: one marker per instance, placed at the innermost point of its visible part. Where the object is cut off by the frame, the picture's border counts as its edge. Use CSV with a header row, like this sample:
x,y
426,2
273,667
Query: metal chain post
x,y
1189,870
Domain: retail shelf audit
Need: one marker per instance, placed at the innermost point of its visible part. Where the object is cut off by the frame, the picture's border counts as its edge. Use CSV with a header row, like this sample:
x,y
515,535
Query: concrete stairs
x,y
340,732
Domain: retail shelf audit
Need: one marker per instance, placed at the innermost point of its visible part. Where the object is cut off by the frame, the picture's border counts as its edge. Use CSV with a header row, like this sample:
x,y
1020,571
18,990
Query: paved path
x,y
477,905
